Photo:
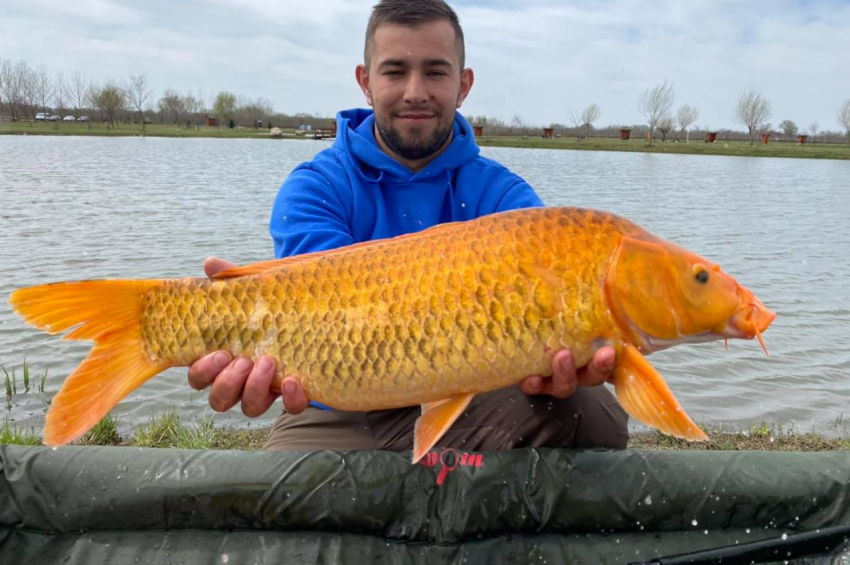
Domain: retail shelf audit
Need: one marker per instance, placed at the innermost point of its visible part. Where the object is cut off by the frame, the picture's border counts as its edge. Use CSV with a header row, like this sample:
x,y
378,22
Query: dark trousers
x,y
497,420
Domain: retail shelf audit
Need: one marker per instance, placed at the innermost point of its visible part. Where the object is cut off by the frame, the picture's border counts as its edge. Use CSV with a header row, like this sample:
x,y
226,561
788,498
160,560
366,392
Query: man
x,y
409,164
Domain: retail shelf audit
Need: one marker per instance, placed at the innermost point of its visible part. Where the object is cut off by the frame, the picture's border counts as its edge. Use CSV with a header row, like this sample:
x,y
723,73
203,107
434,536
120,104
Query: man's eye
x,y
393,73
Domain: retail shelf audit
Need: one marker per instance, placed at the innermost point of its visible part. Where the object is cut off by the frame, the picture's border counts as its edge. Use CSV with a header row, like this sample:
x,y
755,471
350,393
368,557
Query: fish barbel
x,y
431,318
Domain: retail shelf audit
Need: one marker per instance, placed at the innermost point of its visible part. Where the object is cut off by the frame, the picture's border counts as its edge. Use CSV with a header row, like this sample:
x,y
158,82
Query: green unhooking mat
x,y
84,505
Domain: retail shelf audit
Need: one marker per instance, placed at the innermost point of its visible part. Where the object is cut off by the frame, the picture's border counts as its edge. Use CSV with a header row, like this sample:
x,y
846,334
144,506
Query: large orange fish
x,y
432,318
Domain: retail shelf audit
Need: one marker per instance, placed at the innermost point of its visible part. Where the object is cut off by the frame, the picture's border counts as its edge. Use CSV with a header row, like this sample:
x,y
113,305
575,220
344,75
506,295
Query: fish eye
x,y
701,274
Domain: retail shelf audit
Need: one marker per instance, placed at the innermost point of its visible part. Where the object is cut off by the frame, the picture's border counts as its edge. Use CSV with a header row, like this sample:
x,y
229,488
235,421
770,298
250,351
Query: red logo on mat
x,y
449,460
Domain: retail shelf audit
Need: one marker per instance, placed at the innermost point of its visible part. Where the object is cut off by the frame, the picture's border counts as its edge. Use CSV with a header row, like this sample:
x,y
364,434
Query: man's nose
x,y
415,92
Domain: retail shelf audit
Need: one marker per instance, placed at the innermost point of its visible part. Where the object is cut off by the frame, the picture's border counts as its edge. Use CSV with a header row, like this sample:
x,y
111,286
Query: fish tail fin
x,y
107,312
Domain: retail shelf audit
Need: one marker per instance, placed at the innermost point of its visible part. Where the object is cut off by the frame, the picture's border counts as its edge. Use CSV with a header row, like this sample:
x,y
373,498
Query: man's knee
x,y
599,419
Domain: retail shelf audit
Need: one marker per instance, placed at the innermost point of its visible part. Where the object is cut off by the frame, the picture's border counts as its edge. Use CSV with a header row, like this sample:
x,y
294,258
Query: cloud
x,y
535,58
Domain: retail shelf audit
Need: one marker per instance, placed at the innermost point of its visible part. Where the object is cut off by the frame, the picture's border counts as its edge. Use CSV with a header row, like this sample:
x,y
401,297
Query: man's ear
x,y
467,77
362,75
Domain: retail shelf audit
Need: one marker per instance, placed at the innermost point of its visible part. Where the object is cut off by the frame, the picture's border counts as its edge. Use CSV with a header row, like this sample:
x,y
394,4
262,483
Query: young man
x,y
407,165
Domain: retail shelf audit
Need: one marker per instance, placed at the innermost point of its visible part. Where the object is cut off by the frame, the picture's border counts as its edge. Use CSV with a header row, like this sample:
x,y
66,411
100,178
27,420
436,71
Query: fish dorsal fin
x,y
274,264
437,417
261,267
643,393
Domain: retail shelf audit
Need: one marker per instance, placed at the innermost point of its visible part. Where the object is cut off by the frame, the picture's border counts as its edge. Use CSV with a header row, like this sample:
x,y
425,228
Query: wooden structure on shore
x,y
325,133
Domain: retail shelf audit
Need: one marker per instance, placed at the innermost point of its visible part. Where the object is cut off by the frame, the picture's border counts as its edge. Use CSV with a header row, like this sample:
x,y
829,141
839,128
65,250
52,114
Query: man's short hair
x,y
412,13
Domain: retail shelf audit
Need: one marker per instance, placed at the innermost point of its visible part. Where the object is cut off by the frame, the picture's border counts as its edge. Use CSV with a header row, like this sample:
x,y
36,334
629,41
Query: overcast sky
x,y
535,58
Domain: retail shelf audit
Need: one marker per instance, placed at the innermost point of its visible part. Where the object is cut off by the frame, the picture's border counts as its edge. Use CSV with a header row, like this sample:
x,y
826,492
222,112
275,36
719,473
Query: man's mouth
x,y
416,116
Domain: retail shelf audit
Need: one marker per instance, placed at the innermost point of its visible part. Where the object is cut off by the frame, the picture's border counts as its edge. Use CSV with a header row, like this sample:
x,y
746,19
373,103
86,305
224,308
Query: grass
x,y
124,130
732,148
761,437
18,436
11,381
166,430
695,147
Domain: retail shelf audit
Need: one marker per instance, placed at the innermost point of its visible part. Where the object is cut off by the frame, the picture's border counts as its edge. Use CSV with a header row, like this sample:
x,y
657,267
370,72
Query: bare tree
x,y
93,100
3,64
516,121
172,106
665,124
656,103
814,128
576,121
8,86
43,86
844,117
77,92
753,111
28,88
60,94
12,88
588,116
194,105
686,116
137,92
256,110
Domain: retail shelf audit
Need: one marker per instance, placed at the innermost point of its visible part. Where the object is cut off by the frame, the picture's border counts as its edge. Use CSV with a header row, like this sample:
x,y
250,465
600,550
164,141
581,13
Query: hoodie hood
x,y
356,137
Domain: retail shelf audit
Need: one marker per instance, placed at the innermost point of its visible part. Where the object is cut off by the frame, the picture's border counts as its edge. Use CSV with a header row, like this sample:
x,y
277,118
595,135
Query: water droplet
x,y
694,522
784,536
648,500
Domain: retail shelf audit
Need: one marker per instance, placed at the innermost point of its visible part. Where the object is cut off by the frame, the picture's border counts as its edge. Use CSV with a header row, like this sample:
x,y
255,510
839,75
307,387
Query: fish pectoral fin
x,y
643,393
437,417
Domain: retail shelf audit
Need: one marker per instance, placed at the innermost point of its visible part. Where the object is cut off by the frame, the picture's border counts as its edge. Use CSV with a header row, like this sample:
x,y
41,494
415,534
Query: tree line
x,y
26,91
753,111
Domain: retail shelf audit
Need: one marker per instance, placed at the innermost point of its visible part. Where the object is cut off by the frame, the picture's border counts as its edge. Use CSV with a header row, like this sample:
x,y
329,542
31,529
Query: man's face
x,y
415,84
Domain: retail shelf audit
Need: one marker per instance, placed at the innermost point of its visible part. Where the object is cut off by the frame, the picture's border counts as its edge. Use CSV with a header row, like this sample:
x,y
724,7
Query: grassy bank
x,y
132,130
696,147
166,430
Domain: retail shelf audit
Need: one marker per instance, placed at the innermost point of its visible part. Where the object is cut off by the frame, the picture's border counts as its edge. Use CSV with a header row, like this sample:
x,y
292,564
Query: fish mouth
x,y
750,320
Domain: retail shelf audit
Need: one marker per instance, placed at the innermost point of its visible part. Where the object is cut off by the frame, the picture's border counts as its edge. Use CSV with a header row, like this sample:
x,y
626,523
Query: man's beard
x,y
417,148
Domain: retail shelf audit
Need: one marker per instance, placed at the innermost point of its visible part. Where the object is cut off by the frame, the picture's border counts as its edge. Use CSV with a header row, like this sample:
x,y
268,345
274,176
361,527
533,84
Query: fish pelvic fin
x,y
643,393
437,417
107,312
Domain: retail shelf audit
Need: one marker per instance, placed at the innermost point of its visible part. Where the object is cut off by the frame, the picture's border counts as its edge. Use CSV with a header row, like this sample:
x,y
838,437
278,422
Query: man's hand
x,y
238,379
565,378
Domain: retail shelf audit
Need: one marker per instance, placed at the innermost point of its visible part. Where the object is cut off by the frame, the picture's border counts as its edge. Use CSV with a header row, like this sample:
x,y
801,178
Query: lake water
x,y
81,208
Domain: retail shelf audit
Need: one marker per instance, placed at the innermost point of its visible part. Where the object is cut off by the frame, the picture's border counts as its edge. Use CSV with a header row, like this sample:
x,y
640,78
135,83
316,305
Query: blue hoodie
x,y
355,192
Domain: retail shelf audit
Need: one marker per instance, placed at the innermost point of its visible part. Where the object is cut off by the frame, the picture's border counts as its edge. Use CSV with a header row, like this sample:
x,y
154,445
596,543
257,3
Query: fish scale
x,y
395,325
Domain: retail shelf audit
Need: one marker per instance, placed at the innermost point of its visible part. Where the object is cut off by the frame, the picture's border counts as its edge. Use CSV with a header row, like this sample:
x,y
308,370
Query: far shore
x,y
783,149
